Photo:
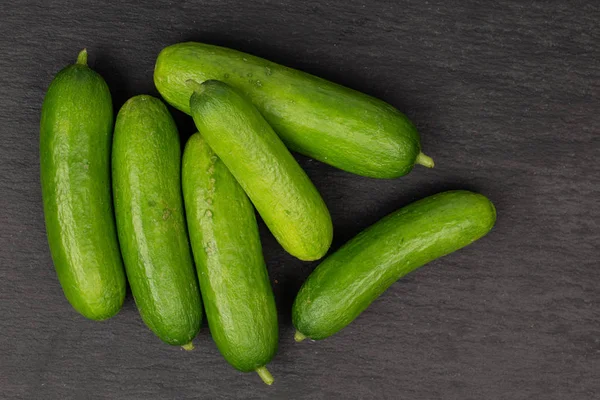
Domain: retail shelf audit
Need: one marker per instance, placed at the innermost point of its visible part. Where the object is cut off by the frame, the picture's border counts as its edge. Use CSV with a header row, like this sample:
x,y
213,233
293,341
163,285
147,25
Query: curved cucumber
x,y
280,190
234,283
152,231
348,281
75,138
331,123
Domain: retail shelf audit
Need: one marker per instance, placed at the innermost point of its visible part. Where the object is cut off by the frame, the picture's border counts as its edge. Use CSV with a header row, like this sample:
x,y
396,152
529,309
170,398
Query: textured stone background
x,y
506,96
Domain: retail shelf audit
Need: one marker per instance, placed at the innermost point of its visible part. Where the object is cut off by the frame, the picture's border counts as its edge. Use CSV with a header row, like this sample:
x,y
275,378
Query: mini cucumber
x,y
331,123
281,191
345,283
146,166
234,283
75,142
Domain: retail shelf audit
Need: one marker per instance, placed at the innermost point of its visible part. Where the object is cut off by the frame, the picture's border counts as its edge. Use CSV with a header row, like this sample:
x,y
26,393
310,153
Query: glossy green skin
x,y
331,123
152,232
234,283
281,191
75,138
348,281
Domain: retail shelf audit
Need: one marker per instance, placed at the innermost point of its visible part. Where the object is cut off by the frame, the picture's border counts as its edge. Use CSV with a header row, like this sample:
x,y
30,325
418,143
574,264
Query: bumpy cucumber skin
x,y
281,191
331,123
345,283
75,143
234,283
150,221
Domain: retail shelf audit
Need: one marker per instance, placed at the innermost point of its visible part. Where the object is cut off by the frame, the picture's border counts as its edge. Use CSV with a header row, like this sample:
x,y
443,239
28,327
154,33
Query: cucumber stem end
x,y
82,57
265,375
194,85
188,346
425,160
298,336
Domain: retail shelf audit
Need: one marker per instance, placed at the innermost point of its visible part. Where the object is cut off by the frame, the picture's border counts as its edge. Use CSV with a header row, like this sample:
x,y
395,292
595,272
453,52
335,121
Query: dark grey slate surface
x,y
506,96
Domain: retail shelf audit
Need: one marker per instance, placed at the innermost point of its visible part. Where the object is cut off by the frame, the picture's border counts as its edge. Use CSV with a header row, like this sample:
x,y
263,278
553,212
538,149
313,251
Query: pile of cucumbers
x,y
122,203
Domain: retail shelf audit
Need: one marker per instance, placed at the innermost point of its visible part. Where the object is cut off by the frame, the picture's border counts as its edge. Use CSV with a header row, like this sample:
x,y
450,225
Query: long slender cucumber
x,y
146,166
345,283
331,123
234,283
75,143
281,191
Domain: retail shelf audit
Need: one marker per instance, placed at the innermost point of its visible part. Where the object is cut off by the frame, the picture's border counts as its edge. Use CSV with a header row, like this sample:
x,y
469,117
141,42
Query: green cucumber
x,y
75,140
146,166
281,191
234,283
345,283
331,123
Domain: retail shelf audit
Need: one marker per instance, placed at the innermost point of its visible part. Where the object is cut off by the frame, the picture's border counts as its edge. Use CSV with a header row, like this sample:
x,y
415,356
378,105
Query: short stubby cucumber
x,y
152,232
345,283
281,191
234,283
323,120
75,142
